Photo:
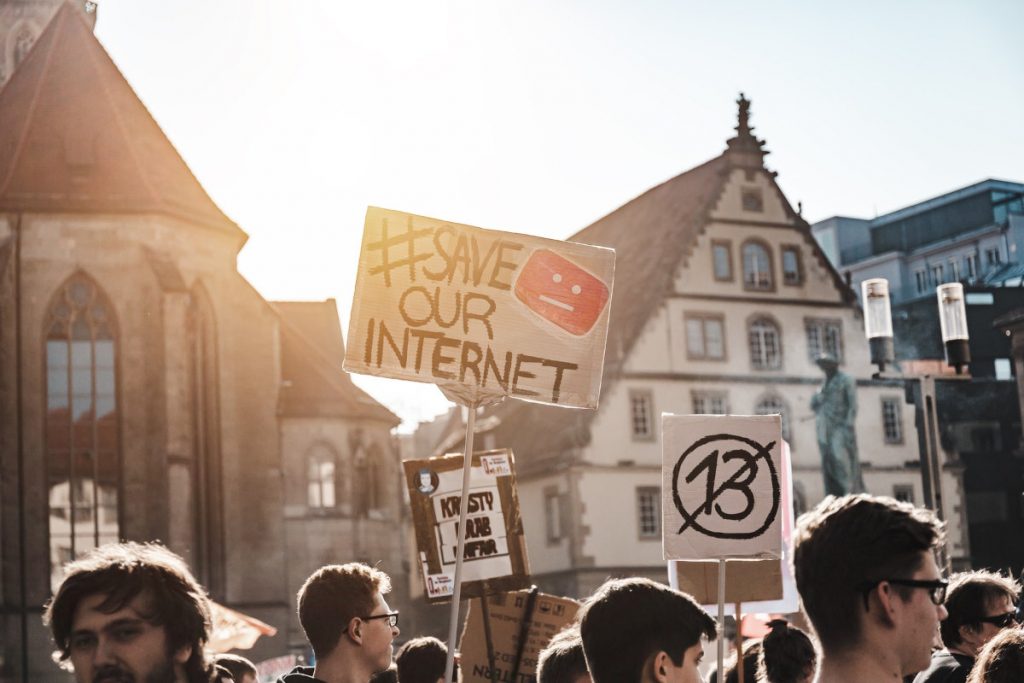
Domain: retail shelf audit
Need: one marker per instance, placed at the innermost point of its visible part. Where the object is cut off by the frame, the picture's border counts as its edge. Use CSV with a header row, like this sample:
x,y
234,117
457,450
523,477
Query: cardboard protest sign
x,y
494,558
745,580
721,493
507,614
482,314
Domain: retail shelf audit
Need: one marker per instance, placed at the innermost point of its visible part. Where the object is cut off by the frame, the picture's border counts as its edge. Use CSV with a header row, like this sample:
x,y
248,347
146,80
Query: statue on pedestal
x,y
835,408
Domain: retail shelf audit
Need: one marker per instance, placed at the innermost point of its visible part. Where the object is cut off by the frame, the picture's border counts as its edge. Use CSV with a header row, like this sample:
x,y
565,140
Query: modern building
x,y
147,390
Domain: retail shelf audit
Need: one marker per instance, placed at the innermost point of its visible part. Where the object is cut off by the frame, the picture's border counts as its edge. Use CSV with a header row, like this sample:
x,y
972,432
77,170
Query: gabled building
x,y
722,301
147,391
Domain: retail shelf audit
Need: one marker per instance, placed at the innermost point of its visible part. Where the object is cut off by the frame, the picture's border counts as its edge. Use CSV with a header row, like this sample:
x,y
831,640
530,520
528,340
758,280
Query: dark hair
x,y
787,654
969,597
1001,660
237,666
848,541
171,596
751,651
562,660
332,597
422,660
628,620
390,675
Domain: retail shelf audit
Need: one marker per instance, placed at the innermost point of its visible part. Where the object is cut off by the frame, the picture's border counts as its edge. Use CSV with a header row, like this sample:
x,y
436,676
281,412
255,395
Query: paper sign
x,y
546,615
721,490
494,558
482,314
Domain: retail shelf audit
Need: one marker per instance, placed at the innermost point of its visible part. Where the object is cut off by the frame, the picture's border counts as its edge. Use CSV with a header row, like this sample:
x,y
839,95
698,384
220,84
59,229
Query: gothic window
x,y
765,345
773,404
82,422
757,267
320,484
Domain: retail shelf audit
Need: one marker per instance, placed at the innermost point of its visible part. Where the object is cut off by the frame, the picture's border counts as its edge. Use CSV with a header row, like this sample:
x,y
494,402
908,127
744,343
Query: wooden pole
x,y
467,466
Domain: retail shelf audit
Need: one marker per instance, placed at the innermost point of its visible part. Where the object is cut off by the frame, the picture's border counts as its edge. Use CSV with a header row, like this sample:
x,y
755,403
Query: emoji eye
x,y
557,277
576,289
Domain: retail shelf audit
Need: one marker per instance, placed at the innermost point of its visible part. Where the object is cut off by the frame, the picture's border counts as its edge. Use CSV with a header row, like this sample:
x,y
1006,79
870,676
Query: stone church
x,y
147,390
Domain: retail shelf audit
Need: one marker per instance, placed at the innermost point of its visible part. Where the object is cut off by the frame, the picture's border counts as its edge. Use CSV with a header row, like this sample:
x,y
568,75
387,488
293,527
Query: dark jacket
x,y
300,674
946,667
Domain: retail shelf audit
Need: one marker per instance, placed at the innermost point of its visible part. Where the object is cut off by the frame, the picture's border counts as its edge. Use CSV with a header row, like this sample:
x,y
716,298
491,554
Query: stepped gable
x,y
75,138
312,351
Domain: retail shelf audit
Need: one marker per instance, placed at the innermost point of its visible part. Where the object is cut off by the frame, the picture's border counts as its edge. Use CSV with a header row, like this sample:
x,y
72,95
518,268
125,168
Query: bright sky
x,y
542,116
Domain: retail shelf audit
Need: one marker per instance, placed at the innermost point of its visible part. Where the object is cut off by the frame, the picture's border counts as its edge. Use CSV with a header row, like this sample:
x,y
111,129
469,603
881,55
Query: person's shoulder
x,y
300,674
946,667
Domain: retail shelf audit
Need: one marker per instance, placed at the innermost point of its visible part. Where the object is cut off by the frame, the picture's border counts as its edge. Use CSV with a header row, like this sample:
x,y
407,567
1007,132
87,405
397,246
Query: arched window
x,y
765,344
757,267
320,477
82,422
771,404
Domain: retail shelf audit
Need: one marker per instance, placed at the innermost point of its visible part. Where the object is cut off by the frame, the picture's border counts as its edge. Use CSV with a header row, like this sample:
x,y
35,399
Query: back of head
x,y
562,661
390,675
968,599
846,542
1001,660
751,653
421,660
332,597
172,598
628,620
787,654
239,667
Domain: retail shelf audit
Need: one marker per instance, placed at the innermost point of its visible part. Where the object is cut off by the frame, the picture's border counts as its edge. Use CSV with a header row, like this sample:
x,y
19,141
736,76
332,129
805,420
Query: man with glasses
x,y
980,605
347,623
866,572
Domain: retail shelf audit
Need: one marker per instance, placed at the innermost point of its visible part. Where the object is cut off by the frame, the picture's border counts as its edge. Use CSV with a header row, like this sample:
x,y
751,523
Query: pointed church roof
x,y
74,137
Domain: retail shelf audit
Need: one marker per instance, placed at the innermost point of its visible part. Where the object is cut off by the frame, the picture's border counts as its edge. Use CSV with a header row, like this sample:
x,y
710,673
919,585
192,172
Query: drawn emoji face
x,y
561,292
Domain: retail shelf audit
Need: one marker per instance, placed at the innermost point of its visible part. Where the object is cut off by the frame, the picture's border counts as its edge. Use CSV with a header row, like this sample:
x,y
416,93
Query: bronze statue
x,y
835,406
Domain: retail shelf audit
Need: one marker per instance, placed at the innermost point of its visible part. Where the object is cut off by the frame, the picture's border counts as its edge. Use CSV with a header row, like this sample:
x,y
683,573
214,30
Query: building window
x,y
903,493
757,267
993,257
771,405
705,336
938,274
971,264
710,403
921,277
641,411
721,260
792,272
553,515
752,199
82,423
320,484
954,270
824,336
765,346
648,508
892,420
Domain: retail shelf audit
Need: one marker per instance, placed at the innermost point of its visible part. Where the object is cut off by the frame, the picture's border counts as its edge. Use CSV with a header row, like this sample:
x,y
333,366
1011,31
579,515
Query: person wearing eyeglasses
x,y
980,605
348,624
866,573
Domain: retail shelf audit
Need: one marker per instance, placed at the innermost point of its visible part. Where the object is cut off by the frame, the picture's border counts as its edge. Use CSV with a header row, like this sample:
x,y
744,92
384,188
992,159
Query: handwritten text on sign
x,y
493,313
720,486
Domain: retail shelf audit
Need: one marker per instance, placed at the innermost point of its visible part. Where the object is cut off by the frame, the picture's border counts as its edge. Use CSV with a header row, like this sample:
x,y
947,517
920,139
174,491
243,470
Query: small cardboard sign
x,y
546,615
482,314
745,580
721,487
494,558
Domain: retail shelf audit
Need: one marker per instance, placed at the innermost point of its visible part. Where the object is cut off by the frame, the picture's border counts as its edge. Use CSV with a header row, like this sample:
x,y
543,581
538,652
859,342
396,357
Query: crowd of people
x,y
872,592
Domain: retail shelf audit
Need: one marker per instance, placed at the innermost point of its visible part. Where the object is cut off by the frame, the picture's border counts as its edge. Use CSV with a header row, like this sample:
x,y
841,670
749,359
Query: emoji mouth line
x,y
554,302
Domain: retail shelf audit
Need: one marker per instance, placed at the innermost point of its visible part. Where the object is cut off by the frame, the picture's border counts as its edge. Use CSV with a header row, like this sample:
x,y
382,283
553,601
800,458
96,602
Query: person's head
x,y
388,675
858,562
343,604
828,363
240,668
130,612
637,630
787,655
1001,660
562,660
422,660
980,604
750,652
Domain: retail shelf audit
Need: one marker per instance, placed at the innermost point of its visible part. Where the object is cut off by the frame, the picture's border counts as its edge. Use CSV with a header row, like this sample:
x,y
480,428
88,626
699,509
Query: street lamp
x,y
953,321
878,321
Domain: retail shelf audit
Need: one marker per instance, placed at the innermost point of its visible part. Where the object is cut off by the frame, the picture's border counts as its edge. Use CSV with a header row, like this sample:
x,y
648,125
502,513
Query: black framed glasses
x,y
1001,620
392,618
936,588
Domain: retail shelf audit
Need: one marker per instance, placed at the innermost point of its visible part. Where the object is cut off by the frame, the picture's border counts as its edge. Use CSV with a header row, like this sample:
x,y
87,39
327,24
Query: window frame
x,y
647,396
755,193
703,317
554,525
921,279
769,260
751,322
798,255
699,395
822,324
727,245
897,421
787,427
897,489
320,454
654,494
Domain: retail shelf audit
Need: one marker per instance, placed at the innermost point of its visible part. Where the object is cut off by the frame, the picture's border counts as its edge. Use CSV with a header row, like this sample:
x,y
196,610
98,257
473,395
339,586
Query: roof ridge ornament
x,y
745,150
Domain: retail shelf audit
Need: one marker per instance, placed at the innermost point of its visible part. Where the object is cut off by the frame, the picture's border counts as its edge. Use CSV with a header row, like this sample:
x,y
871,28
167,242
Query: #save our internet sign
x,y
480,313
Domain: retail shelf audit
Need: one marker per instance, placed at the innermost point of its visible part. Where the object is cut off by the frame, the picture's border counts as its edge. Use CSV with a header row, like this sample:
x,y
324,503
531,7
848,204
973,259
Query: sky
x,y
542,116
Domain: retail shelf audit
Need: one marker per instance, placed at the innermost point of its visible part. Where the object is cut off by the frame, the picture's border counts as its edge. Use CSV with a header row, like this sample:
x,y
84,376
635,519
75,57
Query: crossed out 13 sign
x,y
721,489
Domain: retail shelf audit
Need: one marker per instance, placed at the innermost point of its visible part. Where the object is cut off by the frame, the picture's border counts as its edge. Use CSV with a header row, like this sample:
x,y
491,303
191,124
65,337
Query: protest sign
x,y
480,313
507,617
745,580
721,492
494,556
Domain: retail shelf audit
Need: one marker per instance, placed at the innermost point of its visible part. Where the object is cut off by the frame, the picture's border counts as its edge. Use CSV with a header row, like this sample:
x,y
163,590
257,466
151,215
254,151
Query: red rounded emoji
x,y
561,292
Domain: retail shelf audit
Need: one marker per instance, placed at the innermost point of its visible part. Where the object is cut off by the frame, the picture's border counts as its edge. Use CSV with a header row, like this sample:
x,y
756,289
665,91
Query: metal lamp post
x,y
878,322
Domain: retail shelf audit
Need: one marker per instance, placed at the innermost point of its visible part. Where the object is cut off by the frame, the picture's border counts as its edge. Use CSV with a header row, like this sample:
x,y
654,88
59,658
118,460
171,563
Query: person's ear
x,y
969,634
355,629
660,666
887,599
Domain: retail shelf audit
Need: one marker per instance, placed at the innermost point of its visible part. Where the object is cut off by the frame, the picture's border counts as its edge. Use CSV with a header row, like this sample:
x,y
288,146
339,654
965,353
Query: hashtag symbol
x,y
386,243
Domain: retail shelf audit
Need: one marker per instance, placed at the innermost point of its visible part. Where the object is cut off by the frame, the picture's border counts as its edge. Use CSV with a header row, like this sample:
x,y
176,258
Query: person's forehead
x,y
998,606
88,616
